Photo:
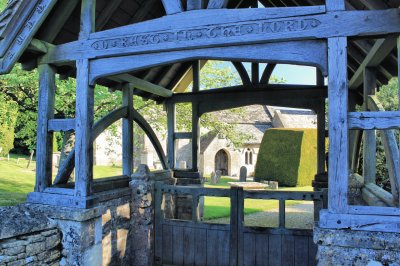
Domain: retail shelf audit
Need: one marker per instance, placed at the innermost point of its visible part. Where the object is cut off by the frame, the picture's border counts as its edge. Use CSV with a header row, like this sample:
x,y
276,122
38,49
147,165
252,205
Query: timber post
x,y
338,127
127,132
84,110
195,119
171,121
44,147
369,147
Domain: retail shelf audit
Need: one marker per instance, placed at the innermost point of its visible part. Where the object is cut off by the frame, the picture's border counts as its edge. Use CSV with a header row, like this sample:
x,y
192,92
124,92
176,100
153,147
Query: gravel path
x,y
299,216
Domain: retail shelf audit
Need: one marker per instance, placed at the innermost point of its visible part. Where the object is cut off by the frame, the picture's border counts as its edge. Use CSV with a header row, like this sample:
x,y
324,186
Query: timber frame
x,y
125,57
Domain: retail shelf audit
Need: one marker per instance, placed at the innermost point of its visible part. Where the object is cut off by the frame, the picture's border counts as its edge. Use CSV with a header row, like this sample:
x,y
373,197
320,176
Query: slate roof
x,y
254,120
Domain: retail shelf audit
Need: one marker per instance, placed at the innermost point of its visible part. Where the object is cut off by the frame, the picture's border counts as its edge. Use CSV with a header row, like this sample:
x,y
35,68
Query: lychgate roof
x,y
57,22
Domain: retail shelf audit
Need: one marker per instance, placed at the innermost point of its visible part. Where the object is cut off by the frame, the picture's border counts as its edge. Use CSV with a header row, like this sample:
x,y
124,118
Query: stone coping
x,y
22,220
65,213
356,239
29,218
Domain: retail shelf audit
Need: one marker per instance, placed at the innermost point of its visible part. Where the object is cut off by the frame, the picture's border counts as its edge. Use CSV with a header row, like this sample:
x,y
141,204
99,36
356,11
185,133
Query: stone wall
x,y
28,238
350,247
117,233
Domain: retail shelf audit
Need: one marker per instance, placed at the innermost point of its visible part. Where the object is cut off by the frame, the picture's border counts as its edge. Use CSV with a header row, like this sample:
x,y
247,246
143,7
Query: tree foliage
x,y
388,97
8,110
21,87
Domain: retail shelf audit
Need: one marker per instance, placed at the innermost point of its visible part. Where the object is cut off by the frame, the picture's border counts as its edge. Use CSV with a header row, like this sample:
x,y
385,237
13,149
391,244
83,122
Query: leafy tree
x,y
7,125
21,87
388,97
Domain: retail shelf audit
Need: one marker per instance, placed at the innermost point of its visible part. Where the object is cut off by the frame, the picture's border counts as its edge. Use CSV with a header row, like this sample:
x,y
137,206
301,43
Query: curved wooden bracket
x,y
67,167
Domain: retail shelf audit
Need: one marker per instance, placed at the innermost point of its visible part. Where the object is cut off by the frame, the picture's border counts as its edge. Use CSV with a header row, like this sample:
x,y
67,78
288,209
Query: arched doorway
x,y
221,162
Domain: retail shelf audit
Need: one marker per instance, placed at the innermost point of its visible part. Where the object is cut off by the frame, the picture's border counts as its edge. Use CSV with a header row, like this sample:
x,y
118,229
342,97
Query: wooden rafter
x,y
145,86
106,14
172,6
381,49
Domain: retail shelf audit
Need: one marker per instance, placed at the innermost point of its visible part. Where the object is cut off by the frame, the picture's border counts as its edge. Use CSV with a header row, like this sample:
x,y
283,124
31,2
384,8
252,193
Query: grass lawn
x,y
218,207
16,181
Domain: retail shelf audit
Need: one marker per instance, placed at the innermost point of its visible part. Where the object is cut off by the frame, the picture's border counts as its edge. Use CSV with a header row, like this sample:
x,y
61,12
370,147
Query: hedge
x,y
288,156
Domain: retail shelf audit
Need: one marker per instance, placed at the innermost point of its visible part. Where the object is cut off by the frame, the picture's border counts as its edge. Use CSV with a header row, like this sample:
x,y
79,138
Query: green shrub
x,y
288,156
8,118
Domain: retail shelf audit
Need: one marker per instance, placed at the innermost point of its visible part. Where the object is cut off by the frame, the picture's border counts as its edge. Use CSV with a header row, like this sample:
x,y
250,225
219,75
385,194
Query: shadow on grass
x,y
11,198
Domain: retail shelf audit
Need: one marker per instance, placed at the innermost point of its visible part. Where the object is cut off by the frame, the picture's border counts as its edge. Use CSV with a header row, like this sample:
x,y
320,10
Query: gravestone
x,y
243,174
216,177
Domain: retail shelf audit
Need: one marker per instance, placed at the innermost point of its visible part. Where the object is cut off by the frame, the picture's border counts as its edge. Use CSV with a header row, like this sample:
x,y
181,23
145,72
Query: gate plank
x,y
262,249
223,247
249,252
288,250
188,246
212,247
200,236
275,251
301,252
167,244
177,252
312,252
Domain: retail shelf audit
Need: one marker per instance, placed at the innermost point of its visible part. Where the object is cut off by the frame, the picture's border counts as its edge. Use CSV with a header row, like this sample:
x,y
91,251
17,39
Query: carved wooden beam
x,y
218,28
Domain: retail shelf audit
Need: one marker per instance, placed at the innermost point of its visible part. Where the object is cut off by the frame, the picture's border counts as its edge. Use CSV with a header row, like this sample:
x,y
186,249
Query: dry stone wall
x,y
28,238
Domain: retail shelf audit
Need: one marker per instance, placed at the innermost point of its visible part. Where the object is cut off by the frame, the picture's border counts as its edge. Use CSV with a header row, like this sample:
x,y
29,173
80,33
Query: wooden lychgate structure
x,y
156,48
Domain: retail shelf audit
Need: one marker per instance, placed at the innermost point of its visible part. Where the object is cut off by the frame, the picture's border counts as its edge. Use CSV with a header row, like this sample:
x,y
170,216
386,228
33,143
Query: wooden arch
x,y
67,167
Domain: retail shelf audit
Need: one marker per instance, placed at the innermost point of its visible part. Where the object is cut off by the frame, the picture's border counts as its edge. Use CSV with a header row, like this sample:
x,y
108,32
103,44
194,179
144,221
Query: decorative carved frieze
x,y
210,32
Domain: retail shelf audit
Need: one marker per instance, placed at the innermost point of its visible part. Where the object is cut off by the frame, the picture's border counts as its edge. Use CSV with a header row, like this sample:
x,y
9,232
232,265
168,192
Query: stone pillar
x,y
82,236
81,231
142,185
350,247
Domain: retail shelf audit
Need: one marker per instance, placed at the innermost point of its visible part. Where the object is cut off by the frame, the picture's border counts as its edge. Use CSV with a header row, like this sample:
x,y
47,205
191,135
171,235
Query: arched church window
x,y
248,157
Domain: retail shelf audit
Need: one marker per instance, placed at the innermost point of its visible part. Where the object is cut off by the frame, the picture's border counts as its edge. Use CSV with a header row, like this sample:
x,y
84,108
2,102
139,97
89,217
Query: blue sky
x,y
296,74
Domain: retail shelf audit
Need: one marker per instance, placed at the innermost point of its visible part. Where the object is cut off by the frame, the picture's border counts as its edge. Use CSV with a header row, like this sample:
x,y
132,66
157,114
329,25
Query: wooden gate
x,y
179,242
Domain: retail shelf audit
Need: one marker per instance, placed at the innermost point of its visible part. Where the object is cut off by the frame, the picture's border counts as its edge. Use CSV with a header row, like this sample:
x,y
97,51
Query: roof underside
x,y
116,13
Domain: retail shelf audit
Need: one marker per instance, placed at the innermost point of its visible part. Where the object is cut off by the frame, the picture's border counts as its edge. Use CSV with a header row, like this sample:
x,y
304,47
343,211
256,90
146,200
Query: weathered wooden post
x,y
171,120
369,148
127,133
195,118
84,109
44,146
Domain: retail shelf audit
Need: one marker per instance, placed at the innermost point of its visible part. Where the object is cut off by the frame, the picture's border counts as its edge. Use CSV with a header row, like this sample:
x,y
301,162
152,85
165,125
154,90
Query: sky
x,y
303,75
291,74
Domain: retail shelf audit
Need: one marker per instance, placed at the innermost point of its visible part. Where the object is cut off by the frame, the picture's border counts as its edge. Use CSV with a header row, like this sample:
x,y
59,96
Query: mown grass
x,y
218,207
16,180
